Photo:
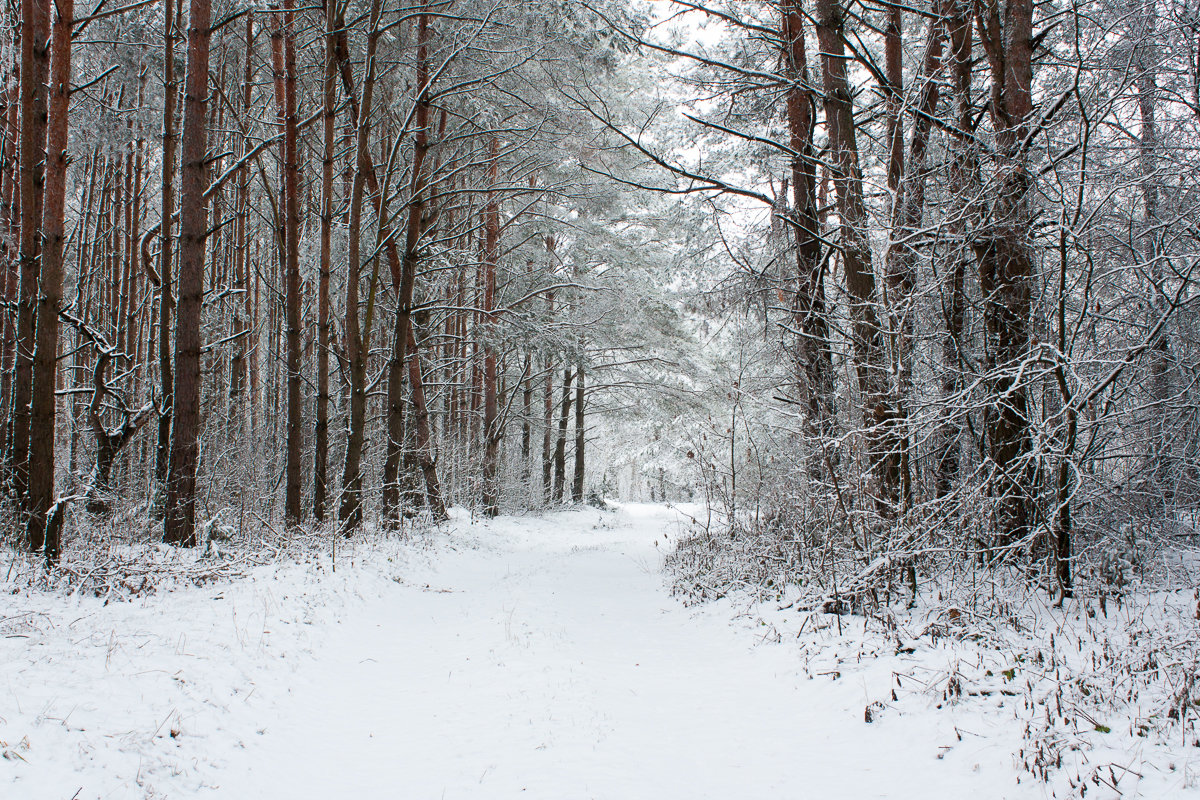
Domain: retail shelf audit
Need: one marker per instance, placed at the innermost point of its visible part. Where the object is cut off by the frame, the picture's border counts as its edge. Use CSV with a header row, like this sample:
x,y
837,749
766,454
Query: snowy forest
x,y
836,363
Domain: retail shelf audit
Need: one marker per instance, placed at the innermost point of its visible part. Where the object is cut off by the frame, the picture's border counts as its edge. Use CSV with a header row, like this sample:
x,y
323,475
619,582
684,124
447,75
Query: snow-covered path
x,y
545,658
519,657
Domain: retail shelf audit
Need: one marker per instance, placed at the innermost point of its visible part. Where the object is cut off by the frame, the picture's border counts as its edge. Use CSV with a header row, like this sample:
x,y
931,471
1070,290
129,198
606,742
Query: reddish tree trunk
x,y
560,447
814,357
491,410
180,524
867,339
35,24
10,219
245,364
580,437
283,49
45,359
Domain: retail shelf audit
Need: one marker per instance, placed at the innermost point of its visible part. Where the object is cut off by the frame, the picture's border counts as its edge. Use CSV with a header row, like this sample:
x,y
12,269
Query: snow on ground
x,y
518,657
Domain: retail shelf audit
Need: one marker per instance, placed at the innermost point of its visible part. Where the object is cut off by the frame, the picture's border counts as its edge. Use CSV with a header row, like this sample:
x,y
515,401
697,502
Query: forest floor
x,y
518,657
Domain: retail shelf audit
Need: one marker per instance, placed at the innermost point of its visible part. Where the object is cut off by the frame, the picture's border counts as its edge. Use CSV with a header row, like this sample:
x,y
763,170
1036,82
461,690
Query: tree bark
x,y
1146,50
180,524
45,359
10,219
283,49
548,432
324,325
526,419
491,411
406,284
1006,269
426,456
560,446
964,181
35,24
580,436
809,314
908,207
166,299
239,363
548,416
357,345
869,353
425,453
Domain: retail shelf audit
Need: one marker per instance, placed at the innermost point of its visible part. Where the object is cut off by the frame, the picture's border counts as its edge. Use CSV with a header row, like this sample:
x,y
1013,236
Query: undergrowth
x,y
121,556
1092,679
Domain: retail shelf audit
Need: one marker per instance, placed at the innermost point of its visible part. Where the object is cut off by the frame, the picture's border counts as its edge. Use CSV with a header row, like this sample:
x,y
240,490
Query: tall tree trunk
x,y
1063,403
180,524
35,25
560,446
425,457
491,411
10,220
548,367
867,339
526,418
405,283
357,345
324,325
45,359
580,436
424,440
454,330
908,207
476,340
136,311
548,431
283,49
814,357
964,180
1006,268
899,281
166,299
239,363
1146,53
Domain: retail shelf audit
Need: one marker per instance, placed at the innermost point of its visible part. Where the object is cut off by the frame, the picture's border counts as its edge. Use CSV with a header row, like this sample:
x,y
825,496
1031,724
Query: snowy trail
x,y
545,658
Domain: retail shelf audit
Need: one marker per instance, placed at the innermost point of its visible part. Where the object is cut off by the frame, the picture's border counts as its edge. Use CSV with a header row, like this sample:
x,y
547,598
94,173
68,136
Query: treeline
x,y
980,245
311,262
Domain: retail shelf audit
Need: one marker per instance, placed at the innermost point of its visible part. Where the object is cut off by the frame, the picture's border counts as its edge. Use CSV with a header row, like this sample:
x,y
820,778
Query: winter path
x,y
513,658
546,659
